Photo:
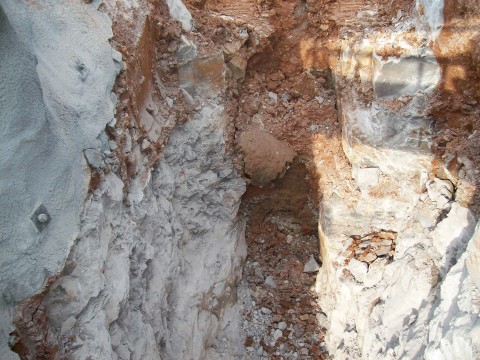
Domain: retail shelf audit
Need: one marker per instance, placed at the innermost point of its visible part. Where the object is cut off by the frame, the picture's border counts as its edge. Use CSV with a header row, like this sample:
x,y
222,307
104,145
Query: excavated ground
x,y
280,308
288,92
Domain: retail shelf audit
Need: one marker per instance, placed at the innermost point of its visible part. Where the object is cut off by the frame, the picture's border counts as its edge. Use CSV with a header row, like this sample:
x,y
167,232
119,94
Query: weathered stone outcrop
x,y
144,264
415,302
56,99
131,129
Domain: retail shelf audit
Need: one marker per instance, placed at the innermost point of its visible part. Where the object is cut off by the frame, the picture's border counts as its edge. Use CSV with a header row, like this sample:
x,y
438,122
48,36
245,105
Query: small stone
x,y
273,97
94,158
289,239
322,319
277,334
145,144
382,251
266,311
387,235
169,102
270,282
187,50
304,351
249,341
369,257
384,243
311,265
238,66
365,244
250,349
260,351
282,325
358,269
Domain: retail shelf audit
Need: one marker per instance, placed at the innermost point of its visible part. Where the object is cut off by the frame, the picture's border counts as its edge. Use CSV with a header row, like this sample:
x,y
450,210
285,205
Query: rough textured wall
x,y
142,246
154,278
394,280
138,245
56,99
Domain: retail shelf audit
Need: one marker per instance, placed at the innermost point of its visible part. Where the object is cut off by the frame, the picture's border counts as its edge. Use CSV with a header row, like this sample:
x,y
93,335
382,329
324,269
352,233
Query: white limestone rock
x,y
454,331
406,75
358,269
366,177
440,192
311,265
55,98
179,11
451,236
473,257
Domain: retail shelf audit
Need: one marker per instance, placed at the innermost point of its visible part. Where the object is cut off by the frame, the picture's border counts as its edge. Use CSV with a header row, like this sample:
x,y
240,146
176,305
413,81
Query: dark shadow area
x,y
281,237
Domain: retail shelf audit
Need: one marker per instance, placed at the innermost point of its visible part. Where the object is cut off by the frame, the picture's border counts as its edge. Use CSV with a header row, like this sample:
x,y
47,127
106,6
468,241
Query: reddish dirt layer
x,y
150,77
456,106
289,88
32,337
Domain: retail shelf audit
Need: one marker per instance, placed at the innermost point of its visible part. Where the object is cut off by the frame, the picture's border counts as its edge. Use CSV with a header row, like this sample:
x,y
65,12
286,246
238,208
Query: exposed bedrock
x,y
144,264
130,131
56,99
392,300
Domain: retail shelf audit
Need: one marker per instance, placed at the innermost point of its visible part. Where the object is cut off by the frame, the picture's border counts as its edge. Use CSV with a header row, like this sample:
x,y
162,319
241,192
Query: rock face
x,y
130,130
190,257
56,99
140,266
406,75
415,303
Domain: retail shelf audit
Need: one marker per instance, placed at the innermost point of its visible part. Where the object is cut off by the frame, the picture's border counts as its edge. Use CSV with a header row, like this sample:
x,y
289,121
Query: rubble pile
x,y
368,248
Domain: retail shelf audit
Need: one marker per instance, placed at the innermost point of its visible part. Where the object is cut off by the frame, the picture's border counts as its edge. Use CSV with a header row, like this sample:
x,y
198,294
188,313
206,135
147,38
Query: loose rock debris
x,y
277,295
369,247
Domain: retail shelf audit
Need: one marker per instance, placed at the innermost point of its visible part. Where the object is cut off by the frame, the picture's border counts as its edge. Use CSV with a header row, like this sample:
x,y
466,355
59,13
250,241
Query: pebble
x,y
370,257
273,97
303,351
282,325
322,319
311,265
270,282
113,145
365,244
266,311
289,239
382,251
277,334
260,351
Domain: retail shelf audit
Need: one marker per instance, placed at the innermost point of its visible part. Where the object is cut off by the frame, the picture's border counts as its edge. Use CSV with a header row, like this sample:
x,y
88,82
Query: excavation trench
x,y
278,298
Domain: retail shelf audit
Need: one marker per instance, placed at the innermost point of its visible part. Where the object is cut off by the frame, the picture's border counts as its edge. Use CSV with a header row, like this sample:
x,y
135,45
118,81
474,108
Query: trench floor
x,y
279,303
